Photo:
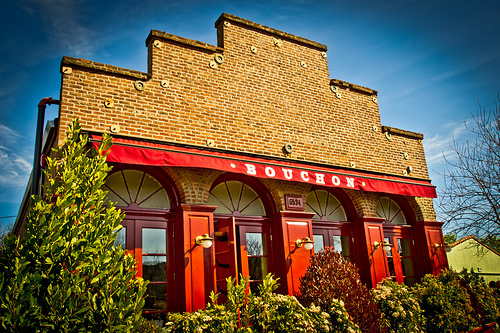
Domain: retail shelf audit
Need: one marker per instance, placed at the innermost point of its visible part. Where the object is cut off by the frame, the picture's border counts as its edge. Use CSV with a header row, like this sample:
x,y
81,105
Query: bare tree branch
x,y
470,200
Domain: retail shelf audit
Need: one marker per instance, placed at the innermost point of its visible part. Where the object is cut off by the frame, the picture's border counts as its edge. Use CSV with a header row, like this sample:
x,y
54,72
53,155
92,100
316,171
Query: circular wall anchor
x,y
114,128
109,103
210,143
277,42
303,64
405,155
253,49
353,164
388,136
405,173
227,24
334,88
212,64
67,70
408,169
375,128
323,54
419,141
219,58
164,83
139,85
157,44
287,149
374,99
338,95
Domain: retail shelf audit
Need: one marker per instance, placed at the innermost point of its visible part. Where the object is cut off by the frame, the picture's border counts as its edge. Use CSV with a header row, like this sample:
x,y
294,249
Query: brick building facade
x,y
252,143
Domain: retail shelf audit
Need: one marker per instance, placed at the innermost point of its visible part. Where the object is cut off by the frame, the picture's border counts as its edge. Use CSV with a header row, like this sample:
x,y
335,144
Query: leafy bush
x,y
329,277
446,304
485,301
147,326
248,312
65,275
401,311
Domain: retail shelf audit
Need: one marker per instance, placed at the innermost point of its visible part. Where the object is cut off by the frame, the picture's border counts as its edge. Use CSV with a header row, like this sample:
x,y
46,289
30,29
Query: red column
x,y
430,247
195,265
372,263
294,226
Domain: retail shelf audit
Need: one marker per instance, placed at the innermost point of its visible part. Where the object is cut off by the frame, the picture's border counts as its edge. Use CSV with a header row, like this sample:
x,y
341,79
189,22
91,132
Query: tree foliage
x,y
470,200
329,278
65,274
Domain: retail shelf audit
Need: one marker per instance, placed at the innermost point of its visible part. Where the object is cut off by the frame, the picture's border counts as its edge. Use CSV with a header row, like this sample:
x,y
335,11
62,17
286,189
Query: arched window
x,y
397,231
330,223
241,216
236,198
136,189
146,230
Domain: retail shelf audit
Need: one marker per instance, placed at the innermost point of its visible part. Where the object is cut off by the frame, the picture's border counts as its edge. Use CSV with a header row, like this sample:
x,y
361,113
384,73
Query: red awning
x,y
147,153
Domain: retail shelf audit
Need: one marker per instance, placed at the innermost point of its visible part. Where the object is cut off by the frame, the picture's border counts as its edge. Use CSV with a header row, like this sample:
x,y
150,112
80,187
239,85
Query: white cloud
x,y
15,165
441,144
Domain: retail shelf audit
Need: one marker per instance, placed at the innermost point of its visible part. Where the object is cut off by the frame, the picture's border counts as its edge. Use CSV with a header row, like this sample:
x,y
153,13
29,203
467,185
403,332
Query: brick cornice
x,y
129,73
181,40
272,31
402,132
352,86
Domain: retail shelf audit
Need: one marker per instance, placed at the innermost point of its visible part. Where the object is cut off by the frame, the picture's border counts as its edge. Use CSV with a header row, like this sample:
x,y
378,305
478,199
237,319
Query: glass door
x,y
254,253
148,242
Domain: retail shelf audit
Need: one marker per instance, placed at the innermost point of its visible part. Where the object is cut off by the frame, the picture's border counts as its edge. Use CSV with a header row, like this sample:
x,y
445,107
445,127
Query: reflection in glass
x,y
154,268
156,297
121,238
257,267
255,244
319,243
154,241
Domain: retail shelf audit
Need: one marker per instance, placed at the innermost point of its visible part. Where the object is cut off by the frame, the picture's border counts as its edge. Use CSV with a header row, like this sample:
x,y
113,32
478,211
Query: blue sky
x,y
431,61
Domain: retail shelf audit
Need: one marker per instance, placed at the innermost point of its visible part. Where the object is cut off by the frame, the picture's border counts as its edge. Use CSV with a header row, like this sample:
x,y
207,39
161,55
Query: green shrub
x,y
401,311
65,275
329,277
147,326
446,304
485,301
248,312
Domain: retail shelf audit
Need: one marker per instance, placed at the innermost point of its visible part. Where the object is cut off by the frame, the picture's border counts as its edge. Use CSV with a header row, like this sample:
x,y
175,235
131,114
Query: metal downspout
x,y
35,184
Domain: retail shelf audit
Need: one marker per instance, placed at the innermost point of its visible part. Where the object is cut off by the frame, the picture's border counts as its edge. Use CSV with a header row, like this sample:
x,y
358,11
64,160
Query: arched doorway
x,y
398,232
243,230
331,225
146,197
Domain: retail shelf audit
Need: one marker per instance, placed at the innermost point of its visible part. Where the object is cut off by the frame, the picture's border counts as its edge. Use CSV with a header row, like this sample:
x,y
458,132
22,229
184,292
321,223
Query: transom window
x,y
236,198
389,210
136,189
325,206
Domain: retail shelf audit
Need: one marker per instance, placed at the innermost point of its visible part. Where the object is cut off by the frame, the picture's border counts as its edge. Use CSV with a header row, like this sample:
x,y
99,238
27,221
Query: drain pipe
x,y
35,184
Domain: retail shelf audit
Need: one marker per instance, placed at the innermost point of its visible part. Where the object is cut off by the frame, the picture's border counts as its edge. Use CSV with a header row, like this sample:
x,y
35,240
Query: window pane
x,y
121,238
404,247
154,268
156,298
325,205
337,244
257,267
319,243
345,246
255,244
154,240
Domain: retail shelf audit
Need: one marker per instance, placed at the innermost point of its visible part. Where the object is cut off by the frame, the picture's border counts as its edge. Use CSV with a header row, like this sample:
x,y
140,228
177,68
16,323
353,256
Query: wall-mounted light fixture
x,y
386,246
204,240
306,241
437,246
